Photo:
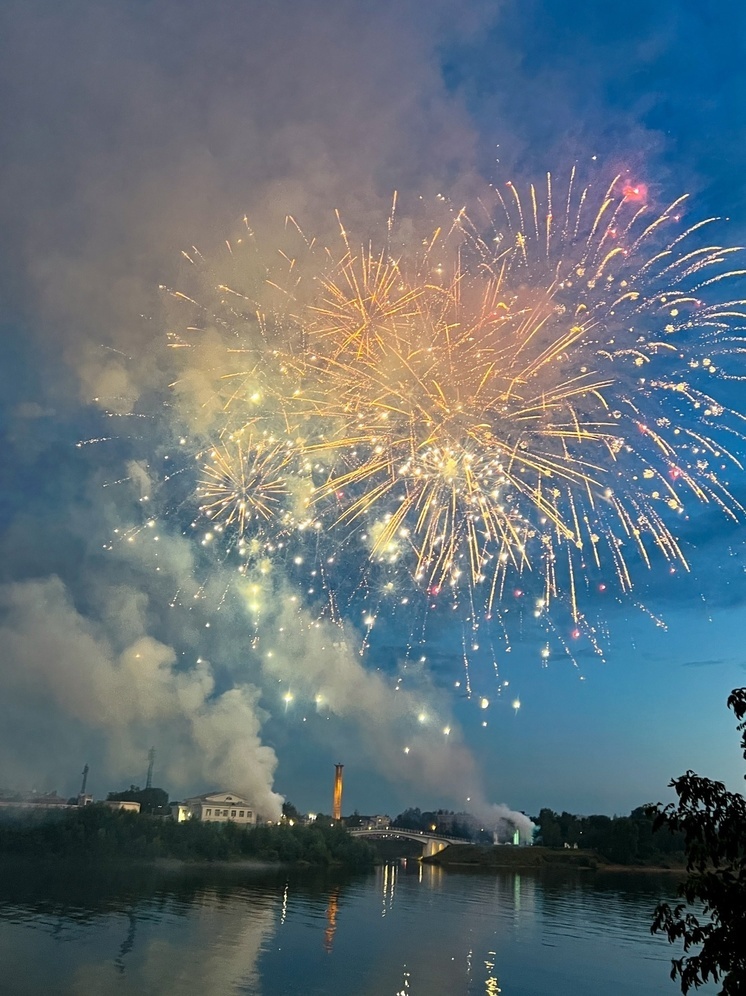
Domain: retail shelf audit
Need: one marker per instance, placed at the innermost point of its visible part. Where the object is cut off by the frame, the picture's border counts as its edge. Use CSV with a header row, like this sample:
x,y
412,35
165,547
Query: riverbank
x,y
506,858
95,833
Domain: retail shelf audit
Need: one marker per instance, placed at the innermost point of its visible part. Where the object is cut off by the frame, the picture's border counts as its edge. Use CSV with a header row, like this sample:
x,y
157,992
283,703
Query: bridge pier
x,y
433,847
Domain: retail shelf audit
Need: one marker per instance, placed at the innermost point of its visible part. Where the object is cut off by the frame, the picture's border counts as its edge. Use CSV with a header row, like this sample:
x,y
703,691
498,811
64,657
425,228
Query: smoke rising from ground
x,y
498,817
401,728
165,125
95,693
134,133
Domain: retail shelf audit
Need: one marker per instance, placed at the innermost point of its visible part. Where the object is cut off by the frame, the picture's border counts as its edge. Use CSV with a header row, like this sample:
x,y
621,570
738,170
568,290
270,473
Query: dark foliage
x,y
152,800
355,820
410,819
96,832
624,840
442,821
290,812
713,823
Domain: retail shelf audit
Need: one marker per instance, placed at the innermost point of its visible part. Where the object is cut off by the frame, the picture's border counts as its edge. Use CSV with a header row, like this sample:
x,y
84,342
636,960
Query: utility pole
x,y
151,761
85,779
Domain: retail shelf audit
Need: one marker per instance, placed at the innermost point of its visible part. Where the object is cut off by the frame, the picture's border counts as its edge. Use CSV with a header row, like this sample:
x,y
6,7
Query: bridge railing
x,y
423,835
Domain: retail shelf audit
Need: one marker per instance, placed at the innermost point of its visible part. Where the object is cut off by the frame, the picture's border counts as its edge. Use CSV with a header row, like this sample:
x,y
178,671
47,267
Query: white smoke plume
x,y
270,109
402,727
498,817
246,107
77,687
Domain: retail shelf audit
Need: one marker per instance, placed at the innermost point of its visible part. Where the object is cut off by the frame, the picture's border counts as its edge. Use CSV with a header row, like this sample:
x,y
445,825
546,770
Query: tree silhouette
x,y
290,812
713,822
152,800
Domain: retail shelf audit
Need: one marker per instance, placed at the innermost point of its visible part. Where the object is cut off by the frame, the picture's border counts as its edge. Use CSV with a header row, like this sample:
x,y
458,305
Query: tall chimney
x,y
337,808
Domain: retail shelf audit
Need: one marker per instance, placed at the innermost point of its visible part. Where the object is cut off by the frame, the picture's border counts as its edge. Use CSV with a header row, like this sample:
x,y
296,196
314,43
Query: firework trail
x,y
516,397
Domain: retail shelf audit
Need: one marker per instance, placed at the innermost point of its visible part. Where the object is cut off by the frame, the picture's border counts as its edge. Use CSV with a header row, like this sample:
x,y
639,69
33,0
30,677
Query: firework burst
x,y
522,395
243,482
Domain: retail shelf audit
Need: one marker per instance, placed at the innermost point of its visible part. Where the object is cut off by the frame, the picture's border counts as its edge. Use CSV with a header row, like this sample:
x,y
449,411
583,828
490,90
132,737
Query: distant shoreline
x,y
506,858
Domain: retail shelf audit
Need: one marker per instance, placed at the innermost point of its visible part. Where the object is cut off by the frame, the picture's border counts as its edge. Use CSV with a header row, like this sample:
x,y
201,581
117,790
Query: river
x,y
403,930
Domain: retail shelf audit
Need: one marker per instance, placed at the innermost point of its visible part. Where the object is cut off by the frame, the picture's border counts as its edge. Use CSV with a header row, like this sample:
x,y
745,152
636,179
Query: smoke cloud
x,y
398,727
134,131
90,691
500,817
158,126
165,124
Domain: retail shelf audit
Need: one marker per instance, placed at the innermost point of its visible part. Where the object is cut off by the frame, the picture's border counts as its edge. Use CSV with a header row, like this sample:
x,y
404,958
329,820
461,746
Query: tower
x,y
151,761
337,807
83,799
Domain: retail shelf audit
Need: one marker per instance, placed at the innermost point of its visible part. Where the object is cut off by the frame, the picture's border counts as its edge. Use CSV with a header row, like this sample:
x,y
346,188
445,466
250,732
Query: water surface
x,y
404,930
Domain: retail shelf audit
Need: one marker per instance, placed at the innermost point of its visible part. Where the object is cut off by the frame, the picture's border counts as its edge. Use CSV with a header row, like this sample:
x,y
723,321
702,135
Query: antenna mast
x,y
151,761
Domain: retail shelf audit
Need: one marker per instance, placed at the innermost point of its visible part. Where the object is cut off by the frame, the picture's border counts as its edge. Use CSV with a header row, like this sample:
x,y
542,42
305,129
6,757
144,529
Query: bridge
x,y
432,843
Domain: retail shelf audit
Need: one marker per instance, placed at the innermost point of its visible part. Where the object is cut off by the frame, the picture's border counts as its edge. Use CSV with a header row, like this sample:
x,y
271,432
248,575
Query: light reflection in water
x,y
491,986
284,913
388,886
408,929
404,991
331,920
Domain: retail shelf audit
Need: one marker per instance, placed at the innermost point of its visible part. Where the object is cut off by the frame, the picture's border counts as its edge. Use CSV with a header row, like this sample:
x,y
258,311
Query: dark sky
x,y
130,133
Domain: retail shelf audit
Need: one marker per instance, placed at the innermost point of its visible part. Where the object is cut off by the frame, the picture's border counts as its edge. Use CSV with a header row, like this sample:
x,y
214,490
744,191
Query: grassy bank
x,y
536,858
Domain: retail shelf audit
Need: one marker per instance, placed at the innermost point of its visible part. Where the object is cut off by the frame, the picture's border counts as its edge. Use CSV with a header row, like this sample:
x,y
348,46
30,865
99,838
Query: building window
x,y
233,812
248,814
225,812
208,812
241,813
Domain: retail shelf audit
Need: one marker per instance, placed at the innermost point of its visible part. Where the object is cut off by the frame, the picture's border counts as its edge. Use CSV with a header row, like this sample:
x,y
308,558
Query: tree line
x,y
443,821
96,832
624,840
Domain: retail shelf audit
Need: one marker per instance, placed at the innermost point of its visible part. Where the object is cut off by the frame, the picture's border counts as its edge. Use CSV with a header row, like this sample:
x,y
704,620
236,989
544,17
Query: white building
x,y
215,807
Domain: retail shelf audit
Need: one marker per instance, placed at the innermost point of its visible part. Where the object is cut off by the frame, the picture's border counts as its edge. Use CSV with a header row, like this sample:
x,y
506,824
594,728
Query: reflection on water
x,y
405,930
331,920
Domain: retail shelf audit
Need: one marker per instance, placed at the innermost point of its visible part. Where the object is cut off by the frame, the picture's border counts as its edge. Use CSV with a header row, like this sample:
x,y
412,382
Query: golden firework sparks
x,y
244,480
521,395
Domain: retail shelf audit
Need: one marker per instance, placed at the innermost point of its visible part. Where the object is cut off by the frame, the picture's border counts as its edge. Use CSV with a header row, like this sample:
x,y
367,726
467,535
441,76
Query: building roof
x,y
219,796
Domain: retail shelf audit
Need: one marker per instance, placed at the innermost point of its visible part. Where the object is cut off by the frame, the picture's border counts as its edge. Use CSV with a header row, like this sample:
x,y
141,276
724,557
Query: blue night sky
x,y
132,132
